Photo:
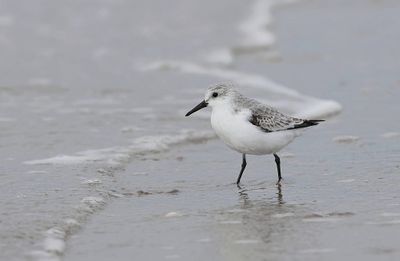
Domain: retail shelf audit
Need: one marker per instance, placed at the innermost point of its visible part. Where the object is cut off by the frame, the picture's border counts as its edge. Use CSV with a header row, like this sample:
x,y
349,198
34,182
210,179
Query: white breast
x,y
239,134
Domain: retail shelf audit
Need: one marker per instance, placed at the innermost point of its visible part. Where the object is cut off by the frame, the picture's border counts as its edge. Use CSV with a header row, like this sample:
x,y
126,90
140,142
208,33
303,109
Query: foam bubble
x,y
72,222
93,201
92,182
55,240
54,243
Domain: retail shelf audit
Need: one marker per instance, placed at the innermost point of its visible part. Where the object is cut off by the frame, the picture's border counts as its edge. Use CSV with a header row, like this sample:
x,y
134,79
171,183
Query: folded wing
x,y
270,120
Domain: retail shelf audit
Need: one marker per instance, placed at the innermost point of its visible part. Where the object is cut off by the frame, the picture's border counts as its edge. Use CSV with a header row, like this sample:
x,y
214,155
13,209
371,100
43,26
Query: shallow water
x,y
89,174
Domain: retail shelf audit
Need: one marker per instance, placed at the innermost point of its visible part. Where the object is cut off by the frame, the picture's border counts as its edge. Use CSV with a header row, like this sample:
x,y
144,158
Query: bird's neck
x,y
224,107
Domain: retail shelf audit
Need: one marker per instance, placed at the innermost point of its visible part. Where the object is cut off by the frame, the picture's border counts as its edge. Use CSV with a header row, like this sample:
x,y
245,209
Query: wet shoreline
x,y
333,204
104,181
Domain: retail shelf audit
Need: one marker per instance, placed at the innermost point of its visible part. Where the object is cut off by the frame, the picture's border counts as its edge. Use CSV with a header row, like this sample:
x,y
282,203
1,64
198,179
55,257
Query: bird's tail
x,y
313,122
307,123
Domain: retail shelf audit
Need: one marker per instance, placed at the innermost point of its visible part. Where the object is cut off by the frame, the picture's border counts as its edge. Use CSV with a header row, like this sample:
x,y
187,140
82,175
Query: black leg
x,y
244,163
278,167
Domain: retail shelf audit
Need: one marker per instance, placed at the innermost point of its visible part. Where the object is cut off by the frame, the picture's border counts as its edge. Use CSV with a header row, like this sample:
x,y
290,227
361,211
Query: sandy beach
x,y
99,162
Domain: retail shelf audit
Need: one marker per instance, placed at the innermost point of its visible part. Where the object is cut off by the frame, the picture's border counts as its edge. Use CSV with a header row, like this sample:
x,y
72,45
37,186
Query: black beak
x,y
200,106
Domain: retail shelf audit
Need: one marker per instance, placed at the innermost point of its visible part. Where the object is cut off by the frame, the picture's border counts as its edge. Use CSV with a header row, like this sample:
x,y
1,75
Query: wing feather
x,y
270,120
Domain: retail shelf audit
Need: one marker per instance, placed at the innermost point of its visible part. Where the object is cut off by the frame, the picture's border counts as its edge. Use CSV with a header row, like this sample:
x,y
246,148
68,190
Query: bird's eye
x,y
215,94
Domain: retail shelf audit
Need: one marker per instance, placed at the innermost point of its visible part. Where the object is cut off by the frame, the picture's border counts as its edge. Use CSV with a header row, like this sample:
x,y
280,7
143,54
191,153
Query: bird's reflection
x,y
243,194
261,217
280,195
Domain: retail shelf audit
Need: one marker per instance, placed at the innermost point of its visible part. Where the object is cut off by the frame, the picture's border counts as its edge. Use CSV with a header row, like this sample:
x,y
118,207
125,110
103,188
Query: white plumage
x,y
235,129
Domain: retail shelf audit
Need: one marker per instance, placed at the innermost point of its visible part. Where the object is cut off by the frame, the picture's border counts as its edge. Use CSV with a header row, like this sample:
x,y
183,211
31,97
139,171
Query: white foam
x,y
72,222
91,182
173,214
256,31
255,34
54,243
139,146
255,28
247,79
93,203
293,102
55,240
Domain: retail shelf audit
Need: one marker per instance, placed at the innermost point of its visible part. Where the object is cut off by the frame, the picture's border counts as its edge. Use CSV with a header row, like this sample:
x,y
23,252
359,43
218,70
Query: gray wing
x,y
269,119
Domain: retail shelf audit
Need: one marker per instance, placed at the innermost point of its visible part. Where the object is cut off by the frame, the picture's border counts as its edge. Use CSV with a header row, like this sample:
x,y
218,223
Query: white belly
x,y
239,134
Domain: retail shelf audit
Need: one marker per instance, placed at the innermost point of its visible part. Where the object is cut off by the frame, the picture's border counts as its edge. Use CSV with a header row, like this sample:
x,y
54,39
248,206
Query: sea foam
x,y
292,101
140,146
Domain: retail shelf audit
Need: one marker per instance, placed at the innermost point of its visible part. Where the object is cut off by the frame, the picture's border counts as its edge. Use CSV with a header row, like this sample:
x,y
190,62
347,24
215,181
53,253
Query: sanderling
x,y
248,126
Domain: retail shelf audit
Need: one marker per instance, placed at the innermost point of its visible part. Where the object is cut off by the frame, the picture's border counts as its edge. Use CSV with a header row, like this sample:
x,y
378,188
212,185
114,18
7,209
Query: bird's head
x,y
215,95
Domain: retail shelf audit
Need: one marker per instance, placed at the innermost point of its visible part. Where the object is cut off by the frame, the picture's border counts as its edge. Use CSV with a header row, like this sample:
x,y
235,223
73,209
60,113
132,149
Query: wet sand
x,y
340,196
85,83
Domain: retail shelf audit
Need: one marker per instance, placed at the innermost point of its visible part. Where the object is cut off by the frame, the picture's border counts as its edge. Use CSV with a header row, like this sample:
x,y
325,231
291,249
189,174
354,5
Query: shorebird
x,y
248,126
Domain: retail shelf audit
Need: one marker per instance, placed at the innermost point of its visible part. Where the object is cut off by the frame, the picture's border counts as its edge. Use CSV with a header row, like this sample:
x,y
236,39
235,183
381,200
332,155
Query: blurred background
x,y
98,162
